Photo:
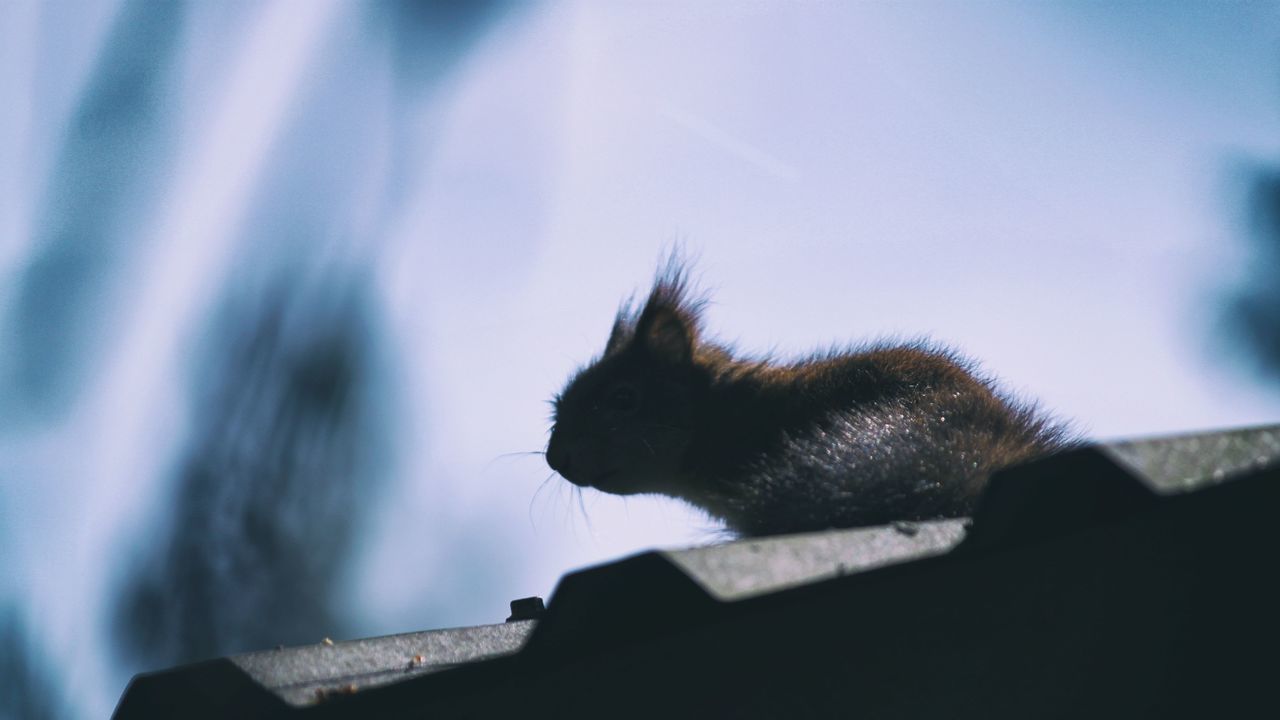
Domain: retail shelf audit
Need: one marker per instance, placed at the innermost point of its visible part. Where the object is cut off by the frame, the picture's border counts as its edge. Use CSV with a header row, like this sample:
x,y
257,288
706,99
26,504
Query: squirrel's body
x,y
862,437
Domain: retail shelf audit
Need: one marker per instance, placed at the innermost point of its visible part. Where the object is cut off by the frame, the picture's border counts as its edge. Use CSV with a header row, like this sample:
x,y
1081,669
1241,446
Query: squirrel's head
x,y
622,425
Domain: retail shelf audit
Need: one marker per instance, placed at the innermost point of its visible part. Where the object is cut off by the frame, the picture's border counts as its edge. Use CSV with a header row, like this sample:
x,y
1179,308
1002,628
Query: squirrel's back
x,y
862,437
910,433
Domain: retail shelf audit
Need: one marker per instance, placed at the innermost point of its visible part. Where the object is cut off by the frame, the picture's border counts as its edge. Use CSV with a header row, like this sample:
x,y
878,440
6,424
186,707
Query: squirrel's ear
x,y
666,334
619,336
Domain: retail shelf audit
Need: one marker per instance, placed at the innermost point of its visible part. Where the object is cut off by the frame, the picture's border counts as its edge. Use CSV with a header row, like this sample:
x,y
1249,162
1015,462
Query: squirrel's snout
x,y
558,457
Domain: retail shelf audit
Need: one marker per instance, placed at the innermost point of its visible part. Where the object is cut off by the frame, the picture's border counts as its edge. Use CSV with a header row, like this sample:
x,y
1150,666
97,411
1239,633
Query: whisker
x,y
583,507
534,499
569,515
506,456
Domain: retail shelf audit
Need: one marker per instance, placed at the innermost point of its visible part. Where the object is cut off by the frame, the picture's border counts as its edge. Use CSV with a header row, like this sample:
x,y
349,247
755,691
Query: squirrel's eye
x,y
623,399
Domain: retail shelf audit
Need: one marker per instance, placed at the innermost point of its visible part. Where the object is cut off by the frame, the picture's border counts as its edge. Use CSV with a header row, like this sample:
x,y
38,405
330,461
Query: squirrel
x,y
870,435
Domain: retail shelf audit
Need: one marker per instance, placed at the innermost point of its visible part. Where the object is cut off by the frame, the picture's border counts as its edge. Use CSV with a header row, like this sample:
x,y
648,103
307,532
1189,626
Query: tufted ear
x,y
666,333
620,335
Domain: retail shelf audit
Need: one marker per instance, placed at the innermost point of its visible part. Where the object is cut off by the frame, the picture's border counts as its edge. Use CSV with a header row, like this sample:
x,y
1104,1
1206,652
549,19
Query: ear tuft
x,y
667,326
621,333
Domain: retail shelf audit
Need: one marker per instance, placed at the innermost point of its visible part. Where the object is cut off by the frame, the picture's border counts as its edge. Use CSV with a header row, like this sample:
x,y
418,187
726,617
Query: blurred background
x,y
285,285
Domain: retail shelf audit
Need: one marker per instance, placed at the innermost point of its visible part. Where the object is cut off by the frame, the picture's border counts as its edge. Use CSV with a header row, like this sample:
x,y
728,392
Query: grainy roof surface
x,y
1123,580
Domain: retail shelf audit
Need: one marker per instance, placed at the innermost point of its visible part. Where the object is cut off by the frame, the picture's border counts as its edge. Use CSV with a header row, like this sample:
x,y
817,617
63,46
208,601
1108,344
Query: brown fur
x,y
853,437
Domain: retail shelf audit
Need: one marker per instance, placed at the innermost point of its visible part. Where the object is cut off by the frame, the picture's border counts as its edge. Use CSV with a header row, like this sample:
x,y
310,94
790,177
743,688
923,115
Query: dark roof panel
x,y
1123,580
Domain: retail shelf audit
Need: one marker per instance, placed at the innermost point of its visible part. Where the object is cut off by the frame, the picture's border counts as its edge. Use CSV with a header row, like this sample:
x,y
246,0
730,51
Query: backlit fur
x,y
862,436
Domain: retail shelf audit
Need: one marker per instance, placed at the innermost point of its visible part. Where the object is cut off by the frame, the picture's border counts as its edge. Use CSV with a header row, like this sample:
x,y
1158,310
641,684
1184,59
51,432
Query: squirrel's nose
x,y
558,456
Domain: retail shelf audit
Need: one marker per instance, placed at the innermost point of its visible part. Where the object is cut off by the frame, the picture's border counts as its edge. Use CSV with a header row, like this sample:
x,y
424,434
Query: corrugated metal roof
x,y
1130,579
308,674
